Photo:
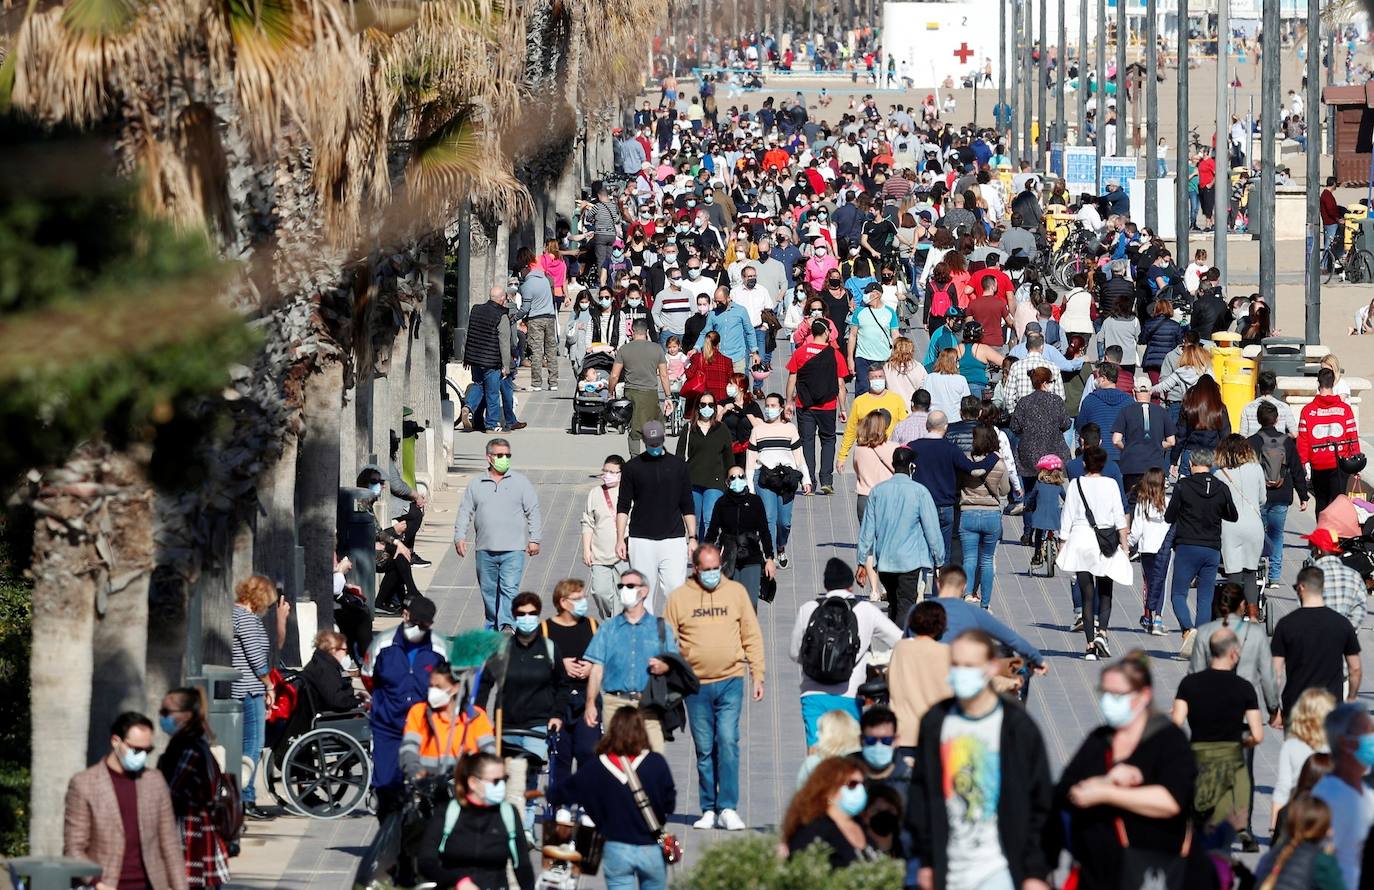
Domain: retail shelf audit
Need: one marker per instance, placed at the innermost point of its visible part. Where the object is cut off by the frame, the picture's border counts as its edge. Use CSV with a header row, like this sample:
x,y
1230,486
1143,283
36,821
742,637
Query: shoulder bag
x,y
1143,869
1108,539
671,847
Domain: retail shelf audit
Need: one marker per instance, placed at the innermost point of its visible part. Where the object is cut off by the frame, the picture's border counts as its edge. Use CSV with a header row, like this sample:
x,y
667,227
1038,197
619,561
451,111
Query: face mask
x,y
414,632
623,283
670,259
1116,709
375,489
966,682
654,451
822,216
878,756
772,413
526,624
168,724
877,385
133,761
731,390
694,274
438,698
634,304
347,664
610,480
833,282
617,253
750,283
710,199
604,302
579,607
629,597
584,306
706,411
817,313
494,792
853,800
709,578
683,228
500,464
702,310
1364,753
739,485
691,203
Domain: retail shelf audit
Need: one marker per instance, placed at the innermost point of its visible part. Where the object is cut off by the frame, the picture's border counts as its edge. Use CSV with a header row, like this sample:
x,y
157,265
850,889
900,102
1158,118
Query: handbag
x,y
781,479
695,384
1152,869
1108,539
671,847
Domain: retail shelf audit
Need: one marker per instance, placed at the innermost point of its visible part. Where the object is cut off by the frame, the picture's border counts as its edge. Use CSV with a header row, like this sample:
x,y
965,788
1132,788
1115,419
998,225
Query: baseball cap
x,y
653,433
872,287
1033,327
618,243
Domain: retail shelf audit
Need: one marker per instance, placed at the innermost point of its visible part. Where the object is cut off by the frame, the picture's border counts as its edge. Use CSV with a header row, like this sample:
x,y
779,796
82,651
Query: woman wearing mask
x,y
477,837
571,630
1306,736
631,310
739,413
1130,784
192,776
825,810
813,309
708,448
444,727
325,680
633,857
692,328
904,374
1093,511
981,498
584,326
1159,335
1202,420
1193,364
872,458
773,444
715,366
252,659
553,265
819,267
739,527
837,735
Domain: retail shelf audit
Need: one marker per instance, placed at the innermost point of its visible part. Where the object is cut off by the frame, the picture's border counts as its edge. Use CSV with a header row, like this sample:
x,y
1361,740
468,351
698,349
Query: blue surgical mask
x,y
494,792
878,756
526,624
168,724
853,800
1117,709
376,489
738,485
710,578
133,761
654,451
1364,753
966,682
772,413
706,411
579,607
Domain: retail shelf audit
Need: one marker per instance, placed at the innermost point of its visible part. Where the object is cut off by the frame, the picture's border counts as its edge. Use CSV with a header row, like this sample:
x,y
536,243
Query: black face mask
x,y
883,824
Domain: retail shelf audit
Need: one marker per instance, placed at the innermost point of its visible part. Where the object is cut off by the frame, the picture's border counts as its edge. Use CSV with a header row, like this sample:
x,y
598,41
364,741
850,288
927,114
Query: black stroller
x,y
589,406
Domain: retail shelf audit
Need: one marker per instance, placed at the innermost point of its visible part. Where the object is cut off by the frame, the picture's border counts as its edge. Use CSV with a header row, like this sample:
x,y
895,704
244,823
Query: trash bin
x,y
226,712
1284,356
52,872
357,538
1237,386
1227,346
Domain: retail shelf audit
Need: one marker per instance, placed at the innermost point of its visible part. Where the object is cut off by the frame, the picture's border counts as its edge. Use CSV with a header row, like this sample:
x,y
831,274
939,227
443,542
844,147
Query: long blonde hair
x,y
837,735
873,429
903,354
1195,356
1307,722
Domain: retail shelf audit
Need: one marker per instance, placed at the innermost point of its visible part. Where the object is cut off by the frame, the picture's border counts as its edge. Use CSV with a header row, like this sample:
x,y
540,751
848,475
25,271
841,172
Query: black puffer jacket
x,y
1159,335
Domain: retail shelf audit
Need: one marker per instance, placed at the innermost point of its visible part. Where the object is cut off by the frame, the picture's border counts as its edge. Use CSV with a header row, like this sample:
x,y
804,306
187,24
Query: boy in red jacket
x,y
1326,432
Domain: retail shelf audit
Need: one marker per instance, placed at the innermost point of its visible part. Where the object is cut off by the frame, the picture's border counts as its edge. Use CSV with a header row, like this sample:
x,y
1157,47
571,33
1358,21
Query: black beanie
x,y
838,574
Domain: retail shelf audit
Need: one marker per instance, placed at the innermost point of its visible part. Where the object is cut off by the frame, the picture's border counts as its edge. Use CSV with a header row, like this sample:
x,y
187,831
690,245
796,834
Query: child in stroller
x,y
593,390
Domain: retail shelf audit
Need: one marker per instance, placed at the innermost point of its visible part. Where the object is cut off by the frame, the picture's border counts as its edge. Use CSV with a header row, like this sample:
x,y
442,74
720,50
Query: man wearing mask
x,y
849,223
876,397
901,534
672,307
541,319
738,340
980,790
623,653
715,212
655,522
815,380
598,537
396,669
502,508
787,254
669,257
1350,733
718,633
119,815
643,366
871,329
773,272
754,298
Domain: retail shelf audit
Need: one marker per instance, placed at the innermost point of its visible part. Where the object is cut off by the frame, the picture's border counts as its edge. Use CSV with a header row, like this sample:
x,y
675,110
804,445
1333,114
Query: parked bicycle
x,y
1354,265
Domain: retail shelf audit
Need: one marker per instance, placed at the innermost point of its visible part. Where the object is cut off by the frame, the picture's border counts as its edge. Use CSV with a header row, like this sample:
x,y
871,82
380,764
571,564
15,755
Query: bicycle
x,y
1355,265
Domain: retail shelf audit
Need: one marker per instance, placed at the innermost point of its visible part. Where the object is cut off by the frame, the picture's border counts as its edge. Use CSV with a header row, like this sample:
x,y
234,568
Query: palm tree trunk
x,y
317,485
274,541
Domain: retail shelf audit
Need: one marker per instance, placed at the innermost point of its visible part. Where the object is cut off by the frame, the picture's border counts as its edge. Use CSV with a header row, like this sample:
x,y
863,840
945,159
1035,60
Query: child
x,y
1044,502
677,364
592,385
1153,538
1192,276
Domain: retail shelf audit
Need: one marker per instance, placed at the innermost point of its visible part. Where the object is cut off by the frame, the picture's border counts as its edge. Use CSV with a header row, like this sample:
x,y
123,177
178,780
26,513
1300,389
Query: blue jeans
x,y
778,509
765,354
498,575
979,532
704,500
1154,568
947,532
499,393
818,703
1274,516
751,576
714,715
254,726
631,866
1192,561
861,375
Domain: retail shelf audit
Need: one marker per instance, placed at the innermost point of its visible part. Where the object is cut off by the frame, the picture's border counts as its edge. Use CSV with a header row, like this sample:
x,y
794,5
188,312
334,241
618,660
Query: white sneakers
x,y
728,820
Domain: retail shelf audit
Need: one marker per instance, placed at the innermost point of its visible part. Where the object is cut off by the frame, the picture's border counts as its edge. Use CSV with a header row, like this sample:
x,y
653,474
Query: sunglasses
x,y
147,750
167,712
853,783
631,587
526,612
868,740
741,476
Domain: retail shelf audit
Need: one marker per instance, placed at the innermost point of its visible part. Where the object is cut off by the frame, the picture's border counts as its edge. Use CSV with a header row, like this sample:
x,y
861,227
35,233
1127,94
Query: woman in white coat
x,y
1242,541
1093,502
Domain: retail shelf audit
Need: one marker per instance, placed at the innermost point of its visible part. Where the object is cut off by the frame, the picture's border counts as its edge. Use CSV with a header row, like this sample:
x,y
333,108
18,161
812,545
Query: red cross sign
x,y
963,53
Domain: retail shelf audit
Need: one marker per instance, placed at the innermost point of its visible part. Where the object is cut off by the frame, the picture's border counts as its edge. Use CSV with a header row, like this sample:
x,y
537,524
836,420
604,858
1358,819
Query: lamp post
x,y
1101,79
1083,72
1269,115
1312,329
1182,209
1221,185
1151,117
1121,29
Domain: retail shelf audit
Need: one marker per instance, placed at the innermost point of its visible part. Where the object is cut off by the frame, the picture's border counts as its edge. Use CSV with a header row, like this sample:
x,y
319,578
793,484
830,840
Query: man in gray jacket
x,y
540,317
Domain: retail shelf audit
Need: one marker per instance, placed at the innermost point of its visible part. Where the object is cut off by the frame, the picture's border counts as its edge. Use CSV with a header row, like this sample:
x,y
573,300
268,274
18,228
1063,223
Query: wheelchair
x,y
321,765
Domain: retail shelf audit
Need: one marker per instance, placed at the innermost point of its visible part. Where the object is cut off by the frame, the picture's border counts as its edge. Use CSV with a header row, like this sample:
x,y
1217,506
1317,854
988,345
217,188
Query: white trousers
x,y
664,564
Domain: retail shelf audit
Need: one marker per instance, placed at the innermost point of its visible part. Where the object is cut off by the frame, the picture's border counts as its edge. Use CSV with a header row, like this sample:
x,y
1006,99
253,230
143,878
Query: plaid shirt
x,y
1018,384
1249,421
1343,589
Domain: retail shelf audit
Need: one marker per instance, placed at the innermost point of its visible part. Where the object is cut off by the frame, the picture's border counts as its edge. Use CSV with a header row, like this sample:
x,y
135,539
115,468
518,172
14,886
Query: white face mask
x,y
439,698
877,385
629,597
414,632
346,663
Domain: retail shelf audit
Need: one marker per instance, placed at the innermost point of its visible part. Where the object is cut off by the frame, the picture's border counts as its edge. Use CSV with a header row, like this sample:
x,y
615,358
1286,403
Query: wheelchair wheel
x,y
325,774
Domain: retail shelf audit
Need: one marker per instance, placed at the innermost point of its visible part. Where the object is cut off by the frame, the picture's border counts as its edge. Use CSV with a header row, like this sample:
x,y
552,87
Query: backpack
x,y
1273,458
508,817
226,805
830,647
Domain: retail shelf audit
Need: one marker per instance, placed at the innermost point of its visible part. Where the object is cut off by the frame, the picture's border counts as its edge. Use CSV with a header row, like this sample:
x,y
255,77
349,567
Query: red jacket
x,y
1326,430
1331,211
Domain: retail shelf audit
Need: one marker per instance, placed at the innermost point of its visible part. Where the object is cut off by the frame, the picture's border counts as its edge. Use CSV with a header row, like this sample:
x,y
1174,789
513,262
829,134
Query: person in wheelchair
x,y
322,687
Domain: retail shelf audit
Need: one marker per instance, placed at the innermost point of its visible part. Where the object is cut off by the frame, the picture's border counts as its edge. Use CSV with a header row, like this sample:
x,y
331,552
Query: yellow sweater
x,y
717,630
865,404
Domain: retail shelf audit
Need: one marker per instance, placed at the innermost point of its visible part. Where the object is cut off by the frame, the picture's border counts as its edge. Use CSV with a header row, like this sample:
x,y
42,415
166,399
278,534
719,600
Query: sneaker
x,y
253,811
1026,540
706,822
1248,844
731,821
1185,651
1273,584
465,419
783,562
1016,510
553,387
1145,622
1091,654
1157,627
536,388
1100,643
389,609
418,561
1077,623
827,489
516,426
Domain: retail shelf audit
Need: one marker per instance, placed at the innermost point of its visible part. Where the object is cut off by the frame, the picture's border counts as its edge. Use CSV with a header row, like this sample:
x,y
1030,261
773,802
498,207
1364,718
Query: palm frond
x,y
460,161
388,17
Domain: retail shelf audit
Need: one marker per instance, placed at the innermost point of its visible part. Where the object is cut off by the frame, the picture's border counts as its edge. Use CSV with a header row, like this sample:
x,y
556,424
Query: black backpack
x,y
830,647
1273,457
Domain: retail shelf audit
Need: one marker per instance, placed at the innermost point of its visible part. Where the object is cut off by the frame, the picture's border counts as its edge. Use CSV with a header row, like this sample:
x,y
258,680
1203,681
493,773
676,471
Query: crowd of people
x,y
793,300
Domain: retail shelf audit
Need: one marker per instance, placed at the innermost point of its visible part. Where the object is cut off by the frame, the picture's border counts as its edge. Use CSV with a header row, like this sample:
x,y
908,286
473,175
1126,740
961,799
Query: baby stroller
x,y
589,407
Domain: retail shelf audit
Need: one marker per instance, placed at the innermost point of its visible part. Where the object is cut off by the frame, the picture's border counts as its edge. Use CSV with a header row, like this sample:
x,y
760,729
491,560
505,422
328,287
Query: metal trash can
x,y
52,872
357,538
1237,386
1284,356
225,712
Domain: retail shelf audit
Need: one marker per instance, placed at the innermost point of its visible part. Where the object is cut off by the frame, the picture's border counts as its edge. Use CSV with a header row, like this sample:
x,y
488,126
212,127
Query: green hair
x,y
471,648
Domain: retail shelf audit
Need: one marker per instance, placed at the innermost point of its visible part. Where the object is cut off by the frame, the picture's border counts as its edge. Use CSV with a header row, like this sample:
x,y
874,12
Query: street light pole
x,y
1083,72
1221,185
1042,88
1101,86
1151,116
1312,329
1183,213
1120,78
1014,40
997,118
1061,115
1028,84
1269,115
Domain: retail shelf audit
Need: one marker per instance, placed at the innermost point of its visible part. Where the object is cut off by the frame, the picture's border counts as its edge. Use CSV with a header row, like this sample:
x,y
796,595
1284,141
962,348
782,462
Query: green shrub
x,y
752,863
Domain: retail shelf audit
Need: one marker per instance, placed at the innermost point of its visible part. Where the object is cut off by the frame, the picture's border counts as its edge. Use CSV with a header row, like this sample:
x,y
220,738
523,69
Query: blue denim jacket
x,y
901,527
